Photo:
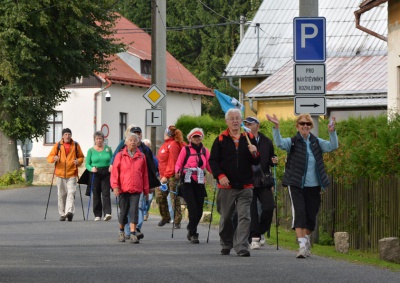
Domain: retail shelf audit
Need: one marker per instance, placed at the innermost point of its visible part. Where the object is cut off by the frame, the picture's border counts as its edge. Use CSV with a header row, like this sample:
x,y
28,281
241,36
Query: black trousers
x,y
101,192
260,224
194,195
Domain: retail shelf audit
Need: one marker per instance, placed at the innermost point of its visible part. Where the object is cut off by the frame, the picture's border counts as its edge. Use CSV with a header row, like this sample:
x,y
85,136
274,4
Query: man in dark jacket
x,y
231,160
263,184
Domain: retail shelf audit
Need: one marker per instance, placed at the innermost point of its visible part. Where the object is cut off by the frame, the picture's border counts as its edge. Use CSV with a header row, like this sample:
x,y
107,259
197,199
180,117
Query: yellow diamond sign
x,y
153,95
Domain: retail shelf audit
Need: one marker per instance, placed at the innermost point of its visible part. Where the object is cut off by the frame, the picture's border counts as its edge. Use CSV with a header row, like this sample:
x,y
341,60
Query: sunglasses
x,y
305,123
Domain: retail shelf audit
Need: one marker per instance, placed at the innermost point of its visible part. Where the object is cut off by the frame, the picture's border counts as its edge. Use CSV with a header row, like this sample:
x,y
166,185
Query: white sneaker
x,y
97,218
255,244
262,240
302,252
107,217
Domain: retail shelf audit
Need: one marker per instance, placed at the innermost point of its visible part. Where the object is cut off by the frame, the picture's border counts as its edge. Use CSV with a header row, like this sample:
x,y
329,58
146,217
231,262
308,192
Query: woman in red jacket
x,y
167,156
129,179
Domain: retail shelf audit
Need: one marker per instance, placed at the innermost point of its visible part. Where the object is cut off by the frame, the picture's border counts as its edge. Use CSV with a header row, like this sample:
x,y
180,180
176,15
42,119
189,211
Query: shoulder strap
x,y
187,156
76,149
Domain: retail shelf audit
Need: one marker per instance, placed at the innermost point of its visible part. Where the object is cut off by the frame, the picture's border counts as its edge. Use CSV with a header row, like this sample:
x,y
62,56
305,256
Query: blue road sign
x,y
309,39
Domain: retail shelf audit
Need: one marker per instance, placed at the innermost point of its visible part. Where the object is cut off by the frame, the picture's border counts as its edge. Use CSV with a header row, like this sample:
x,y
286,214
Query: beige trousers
x,y
66,195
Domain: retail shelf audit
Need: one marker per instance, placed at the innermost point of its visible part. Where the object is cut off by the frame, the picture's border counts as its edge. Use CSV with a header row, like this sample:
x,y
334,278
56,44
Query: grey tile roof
x,y
275,38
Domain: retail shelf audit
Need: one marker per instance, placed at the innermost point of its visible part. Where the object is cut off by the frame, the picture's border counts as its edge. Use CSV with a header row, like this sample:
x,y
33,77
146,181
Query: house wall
x,y
394,56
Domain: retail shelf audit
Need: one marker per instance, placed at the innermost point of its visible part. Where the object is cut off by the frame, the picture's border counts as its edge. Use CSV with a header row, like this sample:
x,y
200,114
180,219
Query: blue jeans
x,y
147,207
142,204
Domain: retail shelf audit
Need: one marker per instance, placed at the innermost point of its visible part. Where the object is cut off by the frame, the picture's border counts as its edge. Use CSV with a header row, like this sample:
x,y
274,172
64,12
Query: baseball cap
x,y
251,120
136,130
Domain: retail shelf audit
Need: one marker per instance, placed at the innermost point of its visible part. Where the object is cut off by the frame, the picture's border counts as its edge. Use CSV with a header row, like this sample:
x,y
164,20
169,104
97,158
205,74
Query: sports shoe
x,y
69,216
146,217
139,234
134,239
255,245
63,217
243,253
97,218
107,217
194,239
127,236
189,237
162,223
302,252
262,240
225,251
177,226
121,236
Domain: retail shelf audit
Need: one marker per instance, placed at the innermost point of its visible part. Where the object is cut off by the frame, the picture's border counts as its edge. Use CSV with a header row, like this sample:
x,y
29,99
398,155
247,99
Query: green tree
x,y
202,35
44,45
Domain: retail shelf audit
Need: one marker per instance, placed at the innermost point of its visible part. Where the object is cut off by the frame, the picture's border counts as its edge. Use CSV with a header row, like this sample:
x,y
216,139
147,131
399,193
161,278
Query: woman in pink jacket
x,y
190,166
128,180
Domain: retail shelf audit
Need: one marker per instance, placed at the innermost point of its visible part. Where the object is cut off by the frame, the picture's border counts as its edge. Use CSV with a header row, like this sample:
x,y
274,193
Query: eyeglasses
x,y
305,123
195,136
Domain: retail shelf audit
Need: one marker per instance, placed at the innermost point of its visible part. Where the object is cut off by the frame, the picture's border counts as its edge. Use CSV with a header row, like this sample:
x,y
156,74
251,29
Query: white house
x,y
87,110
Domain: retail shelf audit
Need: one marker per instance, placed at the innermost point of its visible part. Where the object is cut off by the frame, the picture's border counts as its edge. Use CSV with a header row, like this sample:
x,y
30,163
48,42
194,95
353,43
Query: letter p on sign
x,y
309,39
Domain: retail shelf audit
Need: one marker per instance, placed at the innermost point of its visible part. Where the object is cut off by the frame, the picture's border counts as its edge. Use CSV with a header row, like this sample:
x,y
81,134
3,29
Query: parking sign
x,y
309,39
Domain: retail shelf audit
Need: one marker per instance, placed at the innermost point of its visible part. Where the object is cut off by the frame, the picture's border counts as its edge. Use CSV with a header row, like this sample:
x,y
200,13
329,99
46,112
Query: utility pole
x,y
158,65
309,8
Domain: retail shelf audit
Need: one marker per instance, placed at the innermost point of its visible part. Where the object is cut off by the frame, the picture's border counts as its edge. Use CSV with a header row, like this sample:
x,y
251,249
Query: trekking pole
x,y
52,179
173,224
212,208
90,195
276,207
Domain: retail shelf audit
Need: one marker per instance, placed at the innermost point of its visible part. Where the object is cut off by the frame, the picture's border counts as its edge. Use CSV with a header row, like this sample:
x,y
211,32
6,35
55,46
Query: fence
x,y
368,211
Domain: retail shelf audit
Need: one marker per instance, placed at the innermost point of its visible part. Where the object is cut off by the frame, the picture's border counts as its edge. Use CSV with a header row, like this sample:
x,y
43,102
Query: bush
x,y
12,178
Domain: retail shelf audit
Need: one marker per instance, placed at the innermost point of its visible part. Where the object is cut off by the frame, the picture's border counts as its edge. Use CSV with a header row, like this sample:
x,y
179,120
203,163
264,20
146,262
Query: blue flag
x,y
228,102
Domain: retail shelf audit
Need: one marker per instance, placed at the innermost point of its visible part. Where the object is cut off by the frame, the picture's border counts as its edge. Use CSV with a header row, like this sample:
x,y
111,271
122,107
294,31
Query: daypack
x,y
188,154
76,148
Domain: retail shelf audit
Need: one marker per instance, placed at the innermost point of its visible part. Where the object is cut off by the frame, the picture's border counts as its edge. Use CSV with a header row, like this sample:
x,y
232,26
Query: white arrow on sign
x,y
310,104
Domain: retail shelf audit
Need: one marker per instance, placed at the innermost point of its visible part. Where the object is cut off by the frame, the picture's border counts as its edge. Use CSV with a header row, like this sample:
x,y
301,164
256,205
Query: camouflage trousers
x,y
161,199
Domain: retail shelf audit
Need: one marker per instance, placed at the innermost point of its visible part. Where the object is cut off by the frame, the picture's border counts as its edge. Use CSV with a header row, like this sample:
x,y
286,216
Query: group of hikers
x,y
240,162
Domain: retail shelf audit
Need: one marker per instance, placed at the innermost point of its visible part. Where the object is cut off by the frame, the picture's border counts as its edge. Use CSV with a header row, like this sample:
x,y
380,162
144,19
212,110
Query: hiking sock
x,y
302,242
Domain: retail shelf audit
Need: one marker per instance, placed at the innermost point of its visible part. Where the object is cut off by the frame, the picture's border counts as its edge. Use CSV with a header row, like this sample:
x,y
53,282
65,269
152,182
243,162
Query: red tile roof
x,y
138,43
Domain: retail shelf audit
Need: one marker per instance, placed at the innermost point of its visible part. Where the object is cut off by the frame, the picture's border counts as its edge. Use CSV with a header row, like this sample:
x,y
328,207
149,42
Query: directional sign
x,y
309,39
153,95
309,79
153,117
310,104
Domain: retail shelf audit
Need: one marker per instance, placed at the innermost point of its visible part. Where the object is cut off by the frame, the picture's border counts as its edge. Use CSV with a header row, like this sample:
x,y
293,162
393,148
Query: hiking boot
x,y
97,218
146,217
244,253
134,239
70,216
302,252
107,217
162,223
177,226
121,237
225,251
139,234
127,236
194,239
63,217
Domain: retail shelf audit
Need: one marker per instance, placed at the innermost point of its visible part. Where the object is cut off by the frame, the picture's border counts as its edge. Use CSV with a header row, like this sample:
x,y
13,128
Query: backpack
x,y
76,148
188,154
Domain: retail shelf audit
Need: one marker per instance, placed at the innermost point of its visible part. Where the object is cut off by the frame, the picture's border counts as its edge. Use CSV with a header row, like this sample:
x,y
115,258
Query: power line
x,y
201,2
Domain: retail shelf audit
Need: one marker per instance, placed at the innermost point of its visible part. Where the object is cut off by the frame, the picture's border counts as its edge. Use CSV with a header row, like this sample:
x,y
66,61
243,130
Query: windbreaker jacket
x,y
129,174
65,166
193,160
235,164
167,156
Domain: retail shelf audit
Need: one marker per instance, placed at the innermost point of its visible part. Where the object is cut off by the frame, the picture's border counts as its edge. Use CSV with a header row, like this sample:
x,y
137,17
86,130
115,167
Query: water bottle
x,y
164,187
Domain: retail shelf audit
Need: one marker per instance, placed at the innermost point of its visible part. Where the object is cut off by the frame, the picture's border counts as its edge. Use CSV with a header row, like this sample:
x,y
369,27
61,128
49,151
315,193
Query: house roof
x,y
344,75
275,38
138,42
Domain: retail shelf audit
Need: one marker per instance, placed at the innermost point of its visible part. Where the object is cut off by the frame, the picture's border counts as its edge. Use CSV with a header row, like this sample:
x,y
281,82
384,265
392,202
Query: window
x,y
54,129
145,68
123,118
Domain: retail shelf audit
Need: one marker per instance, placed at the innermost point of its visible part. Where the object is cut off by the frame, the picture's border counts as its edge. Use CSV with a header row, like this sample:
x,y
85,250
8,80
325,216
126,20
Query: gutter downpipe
x,y
95,101
241,95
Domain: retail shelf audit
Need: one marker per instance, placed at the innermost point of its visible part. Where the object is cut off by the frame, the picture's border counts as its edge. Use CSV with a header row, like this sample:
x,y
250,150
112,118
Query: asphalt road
x,y
36,250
